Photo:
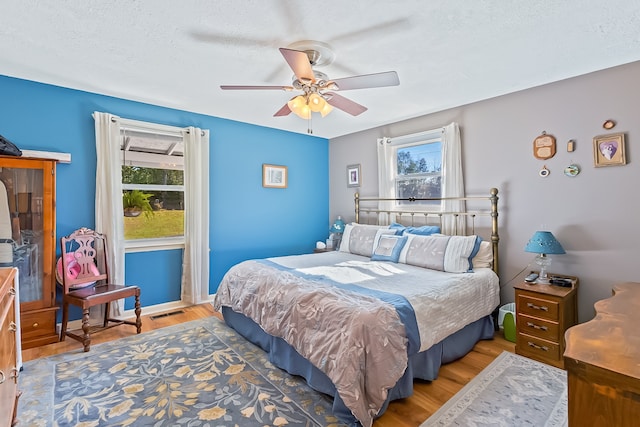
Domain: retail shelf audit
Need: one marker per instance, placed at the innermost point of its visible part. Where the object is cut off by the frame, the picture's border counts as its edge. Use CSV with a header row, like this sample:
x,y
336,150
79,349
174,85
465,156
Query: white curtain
x,y
195,264
109,219
386,187
452,179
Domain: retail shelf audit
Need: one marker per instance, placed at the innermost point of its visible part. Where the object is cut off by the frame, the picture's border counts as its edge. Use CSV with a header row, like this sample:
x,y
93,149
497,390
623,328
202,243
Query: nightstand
x,y
543,314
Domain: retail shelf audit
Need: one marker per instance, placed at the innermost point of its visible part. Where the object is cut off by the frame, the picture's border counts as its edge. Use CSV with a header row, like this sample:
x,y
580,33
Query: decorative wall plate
x,y
572,170
544,172
544,146
609,124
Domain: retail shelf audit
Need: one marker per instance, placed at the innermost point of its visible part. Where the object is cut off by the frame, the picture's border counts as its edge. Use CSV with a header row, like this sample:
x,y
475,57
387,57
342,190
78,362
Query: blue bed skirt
x,y
423,365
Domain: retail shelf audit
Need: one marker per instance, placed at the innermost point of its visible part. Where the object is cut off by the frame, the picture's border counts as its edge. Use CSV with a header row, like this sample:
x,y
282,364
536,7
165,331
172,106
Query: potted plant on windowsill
x,y
135,202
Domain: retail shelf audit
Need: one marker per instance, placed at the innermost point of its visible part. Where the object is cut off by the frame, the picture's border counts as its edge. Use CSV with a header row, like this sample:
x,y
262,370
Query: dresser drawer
x,y
538,307
539,328
537,348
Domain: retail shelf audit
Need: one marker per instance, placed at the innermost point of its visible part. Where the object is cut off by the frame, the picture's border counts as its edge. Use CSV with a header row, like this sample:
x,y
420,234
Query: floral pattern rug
x,y
199,374
512,391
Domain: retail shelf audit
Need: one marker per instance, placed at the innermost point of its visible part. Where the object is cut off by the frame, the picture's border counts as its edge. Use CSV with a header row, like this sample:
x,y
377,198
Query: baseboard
x,y
149,310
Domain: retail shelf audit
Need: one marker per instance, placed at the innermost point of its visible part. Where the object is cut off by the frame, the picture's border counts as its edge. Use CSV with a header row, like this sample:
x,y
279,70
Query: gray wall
x,y
595,215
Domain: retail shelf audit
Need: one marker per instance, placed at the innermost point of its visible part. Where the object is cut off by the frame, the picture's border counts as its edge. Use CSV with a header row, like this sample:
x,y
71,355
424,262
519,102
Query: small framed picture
x,y
608,150
274,176
353,176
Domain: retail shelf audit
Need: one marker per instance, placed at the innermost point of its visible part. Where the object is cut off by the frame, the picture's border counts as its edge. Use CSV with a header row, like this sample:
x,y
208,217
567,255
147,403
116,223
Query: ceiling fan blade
x,y
284,111
388,78
344,104
299,63
232,87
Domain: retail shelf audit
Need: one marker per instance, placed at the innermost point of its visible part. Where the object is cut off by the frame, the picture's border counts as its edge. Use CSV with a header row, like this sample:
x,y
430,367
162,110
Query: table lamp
x,y
544,244
336,230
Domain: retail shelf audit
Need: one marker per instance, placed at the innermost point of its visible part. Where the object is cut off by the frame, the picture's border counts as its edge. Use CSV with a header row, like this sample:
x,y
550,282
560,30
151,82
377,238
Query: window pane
x,y
152,214
140,175
419,169
165,219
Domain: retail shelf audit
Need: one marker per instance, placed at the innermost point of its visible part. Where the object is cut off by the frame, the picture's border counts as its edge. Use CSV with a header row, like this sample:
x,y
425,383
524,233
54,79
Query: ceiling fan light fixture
x,y
316,102
298,104
304,112
326,109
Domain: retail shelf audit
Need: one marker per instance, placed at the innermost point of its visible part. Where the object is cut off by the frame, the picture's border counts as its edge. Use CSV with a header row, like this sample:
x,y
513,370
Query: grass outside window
x,y
163,223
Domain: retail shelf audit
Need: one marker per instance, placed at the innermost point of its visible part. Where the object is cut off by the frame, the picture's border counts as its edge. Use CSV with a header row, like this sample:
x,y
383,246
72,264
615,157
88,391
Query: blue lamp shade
x,y
543,242
337,226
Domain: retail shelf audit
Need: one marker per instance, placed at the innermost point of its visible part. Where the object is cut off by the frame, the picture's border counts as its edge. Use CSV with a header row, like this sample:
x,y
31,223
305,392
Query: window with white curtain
x,y
110,149
408,167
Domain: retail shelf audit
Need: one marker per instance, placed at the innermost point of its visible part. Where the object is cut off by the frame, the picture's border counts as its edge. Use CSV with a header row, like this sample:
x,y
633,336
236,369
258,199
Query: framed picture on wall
x,y
274,176
608,150
353,176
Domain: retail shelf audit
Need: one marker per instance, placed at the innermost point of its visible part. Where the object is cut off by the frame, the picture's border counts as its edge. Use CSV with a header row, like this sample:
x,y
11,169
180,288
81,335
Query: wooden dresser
x,y
602,359
8,347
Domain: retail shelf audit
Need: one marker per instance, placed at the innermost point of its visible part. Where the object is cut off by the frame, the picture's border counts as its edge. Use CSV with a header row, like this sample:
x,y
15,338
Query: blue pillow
x,y
425,230
388,248
398,227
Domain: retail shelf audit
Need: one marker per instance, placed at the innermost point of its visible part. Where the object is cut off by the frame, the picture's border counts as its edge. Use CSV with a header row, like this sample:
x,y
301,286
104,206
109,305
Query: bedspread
x,y
358,341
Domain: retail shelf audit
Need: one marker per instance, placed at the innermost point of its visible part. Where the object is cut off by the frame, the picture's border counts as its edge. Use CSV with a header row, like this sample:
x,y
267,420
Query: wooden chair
x,y
84,276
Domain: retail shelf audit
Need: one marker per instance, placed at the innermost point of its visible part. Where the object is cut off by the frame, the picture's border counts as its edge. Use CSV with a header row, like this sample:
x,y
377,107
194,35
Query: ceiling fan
x,y
318,91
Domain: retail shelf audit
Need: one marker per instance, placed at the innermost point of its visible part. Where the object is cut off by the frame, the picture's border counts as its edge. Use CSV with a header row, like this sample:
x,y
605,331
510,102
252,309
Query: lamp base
x,y
543,281
543,261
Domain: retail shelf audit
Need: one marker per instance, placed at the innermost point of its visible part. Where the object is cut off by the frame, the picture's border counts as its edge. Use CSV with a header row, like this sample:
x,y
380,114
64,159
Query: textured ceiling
x,y
446,52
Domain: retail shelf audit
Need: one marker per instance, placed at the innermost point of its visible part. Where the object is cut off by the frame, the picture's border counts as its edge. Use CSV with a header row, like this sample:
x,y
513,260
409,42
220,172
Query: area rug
x,y
200,373
511,391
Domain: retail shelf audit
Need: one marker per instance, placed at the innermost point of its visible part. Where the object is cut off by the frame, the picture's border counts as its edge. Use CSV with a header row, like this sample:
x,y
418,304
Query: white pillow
x,y
360,239
484,257
439,252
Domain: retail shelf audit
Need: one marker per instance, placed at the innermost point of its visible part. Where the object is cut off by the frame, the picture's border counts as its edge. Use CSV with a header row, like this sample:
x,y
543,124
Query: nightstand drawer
x,y
536,307
537,348
538,327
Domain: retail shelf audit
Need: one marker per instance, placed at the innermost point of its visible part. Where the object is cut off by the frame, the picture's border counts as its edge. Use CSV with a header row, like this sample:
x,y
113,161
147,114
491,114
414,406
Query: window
x,y
419,170
411,166
152,187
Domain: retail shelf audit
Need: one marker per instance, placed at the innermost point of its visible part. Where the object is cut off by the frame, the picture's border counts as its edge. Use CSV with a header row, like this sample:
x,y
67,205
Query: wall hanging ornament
x,y
544,146
572,170
544,172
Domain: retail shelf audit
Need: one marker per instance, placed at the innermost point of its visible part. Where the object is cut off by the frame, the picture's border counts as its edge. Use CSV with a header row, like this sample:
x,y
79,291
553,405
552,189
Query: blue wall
x,y
246,220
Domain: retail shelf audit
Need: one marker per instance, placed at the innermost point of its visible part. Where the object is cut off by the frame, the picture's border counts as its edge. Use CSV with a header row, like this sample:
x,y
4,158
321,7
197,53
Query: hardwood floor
x,y
149,323
410,412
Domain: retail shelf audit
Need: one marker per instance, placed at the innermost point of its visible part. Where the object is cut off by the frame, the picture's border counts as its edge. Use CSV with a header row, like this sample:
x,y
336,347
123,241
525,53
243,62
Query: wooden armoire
x,y
28,242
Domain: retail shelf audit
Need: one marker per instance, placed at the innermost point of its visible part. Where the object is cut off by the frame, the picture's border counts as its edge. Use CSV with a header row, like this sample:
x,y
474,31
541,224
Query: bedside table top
x,y
549,289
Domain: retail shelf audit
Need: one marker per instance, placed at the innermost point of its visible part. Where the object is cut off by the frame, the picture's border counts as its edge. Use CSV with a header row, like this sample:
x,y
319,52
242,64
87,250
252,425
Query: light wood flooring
x,y
410,412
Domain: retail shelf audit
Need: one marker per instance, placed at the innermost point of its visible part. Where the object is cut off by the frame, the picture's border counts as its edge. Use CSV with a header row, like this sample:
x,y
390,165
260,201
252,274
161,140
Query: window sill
x,y
149,245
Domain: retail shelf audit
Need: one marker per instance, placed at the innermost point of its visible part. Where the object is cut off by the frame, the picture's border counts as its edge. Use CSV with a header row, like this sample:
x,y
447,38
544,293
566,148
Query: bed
x,y
391,305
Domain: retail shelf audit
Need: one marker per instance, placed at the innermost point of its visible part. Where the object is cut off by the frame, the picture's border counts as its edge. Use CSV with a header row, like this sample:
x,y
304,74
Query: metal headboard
x,y
410,216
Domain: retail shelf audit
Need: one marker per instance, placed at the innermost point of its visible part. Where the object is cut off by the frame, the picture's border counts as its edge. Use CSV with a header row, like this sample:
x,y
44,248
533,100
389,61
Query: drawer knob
x,y
12,326
534,326
539,347
537,307
35,325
